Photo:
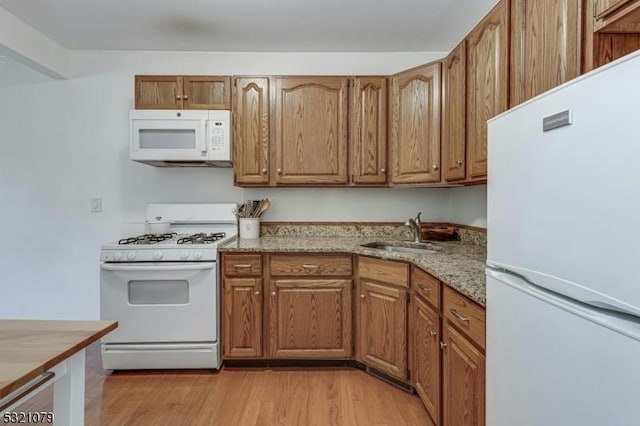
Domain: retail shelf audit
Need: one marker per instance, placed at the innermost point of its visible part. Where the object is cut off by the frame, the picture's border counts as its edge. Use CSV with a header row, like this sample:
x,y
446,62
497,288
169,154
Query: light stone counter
x,y
457,264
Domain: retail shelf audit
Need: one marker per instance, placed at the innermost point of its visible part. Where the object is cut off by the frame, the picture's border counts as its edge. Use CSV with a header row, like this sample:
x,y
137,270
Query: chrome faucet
x,y
416,227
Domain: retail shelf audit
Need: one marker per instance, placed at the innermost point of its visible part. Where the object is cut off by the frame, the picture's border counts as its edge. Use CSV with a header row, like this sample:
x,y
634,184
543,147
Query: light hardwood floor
x,y
241,396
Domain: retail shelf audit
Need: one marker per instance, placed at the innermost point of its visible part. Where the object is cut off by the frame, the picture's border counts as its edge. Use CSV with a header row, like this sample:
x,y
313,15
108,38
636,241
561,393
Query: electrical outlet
x,y
96,205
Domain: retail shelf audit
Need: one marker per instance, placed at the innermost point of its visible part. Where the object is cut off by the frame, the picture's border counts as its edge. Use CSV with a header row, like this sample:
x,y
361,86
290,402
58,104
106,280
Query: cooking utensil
x,y
264,206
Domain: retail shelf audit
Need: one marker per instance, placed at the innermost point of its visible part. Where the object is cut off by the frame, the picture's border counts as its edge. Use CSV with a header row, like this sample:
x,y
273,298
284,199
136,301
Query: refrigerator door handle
x,y
625,324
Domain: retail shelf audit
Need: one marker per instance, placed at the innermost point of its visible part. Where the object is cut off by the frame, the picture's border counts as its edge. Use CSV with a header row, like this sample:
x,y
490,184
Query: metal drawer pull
x,y
443,345
242,265
423,288
257,293
308,266
458,316
433,333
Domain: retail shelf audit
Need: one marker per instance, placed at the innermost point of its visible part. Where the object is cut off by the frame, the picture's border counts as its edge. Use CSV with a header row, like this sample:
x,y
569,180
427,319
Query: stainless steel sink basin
x,y
414,249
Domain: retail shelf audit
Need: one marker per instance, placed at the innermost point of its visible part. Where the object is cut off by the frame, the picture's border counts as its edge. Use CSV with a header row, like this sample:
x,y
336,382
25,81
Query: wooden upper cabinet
x,y
206,92
311,130
545,46
182,92
368,136
454,113
251,134
415,125
158,92
487,82
463,381
617,16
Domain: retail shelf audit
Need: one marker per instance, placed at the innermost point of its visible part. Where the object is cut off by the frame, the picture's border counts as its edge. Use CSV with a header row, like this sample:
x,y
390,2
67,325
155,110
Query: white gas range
x,y
164,290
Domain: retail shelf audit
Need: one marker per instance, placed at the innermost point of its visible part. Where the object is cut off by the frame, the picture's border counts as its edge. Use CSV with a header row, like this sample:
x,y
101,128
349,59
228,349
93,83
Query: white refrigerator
x,y
563,255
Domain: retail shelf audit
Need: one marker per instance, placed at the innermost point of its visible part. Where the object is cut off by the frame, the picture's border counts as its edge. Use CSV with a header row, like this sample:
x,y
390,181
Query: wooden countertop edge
x,y
26,378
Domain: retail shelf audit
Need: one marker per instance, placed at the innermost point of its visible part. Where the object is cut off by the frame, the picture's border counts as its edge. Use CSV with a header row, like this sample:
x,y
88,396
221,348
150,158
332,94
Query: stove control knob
x,y
198,255
157,255
184,255
117,255
131,255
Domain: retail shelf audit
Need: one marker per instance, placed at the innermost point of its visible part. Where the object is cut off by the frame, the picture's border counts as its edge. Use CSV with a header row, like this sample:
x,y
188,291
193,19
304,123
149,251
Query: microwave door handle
x,y
205,128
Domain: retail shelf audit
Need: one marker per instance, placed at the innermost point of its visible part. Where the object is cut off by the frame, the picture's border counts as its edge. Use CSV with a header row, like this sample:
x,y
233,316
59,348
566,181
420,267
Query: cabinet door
x,y
426,356
604,8
158,92
463,381
383,328
545,46
454,113
311,130
251,131
369,131
415,125
487,78
242,318
207,92
310,318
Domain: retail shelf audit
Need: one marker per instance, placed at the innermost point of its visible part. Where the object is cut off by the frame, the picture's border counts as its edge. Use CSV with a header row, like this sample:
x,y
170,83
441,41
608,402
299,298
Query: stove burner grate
x,y
147,239
201,238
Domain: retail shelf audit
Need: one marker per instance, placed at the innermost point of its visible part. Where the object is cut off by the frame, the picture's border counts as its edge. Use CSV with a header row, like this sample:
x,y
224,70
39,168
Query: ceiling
x,y
253,25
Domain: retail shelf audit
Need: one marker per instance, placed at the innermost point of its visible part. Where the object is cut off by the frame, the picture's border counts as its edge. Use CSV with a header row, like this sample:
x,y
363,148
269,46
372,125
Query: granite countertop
x,y
459,265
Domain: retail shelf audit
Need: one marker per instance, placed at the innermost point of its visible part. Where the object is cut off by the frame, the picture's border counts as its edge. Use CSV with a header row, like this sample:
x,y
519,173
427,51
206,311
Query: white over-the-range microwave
x,y
181,138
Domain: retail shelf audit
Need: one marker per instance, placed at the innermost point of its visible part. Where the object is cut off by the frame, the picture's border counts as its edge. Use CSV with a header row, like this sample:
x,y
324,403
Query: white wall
x,y
65,141
468,205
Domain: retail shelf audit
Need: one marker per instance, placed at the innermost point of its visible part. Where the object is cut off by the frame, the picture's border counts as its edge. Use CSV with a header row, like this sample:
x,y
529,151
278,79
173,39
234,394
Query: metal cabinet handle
x,y
242,266
185,97
178,97
309,266
459,162
264,171
423,288
257,293
273,294
383,170
279,171
362,296
434,167
433,333
443,345
458,316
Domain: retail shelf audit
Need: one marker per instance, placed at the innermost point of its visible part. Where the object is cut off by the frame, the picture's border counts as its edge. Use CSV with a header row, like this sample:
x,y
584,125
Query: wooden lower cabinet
x,y
463,380
242,318
426,356
310,318
383,327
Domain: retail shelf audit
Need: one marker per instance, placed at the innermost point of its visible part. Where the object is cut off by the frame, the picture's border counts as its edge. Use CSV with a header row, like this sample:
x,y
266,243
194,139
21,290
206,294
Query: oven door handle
x,y
153,268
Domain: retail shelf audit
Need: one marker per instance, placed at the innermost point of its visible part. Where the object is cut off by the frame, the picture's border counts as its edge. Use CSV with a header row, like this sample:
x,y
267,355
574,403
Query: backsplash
x,y
396,231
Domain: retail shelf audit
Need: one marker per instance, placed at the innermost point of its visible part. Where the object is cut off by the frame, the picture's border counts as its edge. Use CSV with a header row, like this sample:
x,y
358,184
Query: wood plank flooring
x,y
240,396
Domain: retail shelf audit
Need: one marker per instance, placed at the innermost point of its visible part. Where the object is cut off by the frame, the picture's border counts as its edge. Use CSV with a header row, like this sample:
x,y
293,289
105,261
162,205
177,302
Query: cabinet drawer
x,y
386,271
310,265
465,314
426,286
242,265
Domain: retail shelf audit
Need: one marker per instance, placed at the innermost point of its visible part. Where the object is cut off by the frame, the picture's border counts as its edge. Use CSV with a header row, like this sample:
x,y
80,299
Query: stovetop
x,y
173,238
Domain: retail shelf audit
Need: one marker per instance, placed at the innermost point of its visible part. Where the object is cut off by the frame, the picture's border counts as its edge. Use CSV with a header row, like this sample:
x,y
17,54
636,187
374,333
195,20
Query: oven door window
x,y
158,292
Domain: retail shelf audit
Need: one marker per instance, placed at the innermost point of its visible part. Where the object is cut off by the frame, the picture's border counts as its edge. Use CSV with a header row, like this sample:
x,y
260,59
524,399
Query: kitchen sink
x,y
415,248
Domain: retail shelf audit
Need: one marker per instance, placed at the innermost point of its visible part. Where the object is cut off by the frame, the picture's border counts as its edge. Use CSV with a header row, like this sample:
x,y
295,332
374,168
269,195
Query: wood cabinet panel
x,y
617,16
251,136
415,125
487,81
368,136
383,327
310,265
425,286
463,381
465,314
158,92
242,318
545,46
206,92
426,356
310,318
387,271
454,79
311,130
242,265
